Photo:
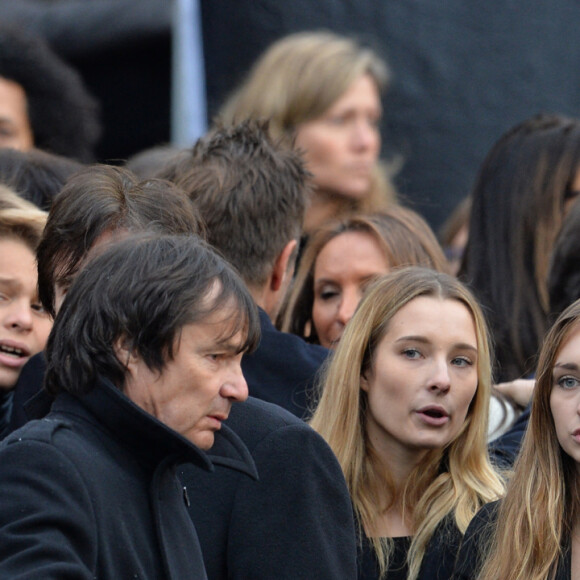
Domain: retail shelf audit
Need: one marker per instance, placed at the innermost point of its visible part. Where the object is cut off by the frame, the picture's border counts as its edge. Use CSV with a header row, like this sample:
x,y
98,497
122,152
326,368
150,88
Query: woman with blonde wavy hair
x,y
404,408
534,532
322,91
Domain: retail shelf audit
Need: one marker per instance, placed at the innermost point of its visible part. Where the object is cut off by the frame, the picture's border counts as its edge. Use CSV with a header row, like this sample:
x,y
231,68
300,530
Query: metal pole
x,y
188,97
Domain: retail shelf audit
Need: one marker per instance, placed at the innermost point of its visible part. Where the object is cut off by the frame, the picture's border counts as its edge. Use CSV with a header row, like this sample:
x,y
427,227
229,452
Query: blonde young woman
x,y
323,91
534,533
404,408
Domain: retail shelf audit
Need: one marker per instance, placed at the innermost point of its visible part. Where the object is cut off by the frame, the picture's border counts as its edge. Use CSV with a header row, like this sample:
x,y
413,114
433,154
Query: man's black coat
x,y
91,491
283,369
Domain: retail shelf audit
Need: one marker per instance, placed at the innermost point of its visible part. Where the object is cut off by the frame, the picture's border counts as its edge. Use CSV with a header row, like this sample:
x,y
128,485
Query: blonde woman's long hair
x,y
543,501
296,80
455,480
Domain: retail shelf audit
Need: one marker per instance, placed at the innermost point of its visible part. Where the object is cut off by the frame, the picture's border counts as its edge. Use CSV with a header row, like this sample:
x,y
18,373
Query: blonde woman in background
x,y
404,408
323,91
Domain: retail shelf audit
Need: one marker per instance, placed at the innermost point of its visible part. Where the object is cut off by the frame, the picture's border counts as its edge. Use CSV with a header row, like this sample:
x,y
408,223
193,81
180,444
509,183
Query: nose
x,y
347,306
18,316
440,380
365,135
235,387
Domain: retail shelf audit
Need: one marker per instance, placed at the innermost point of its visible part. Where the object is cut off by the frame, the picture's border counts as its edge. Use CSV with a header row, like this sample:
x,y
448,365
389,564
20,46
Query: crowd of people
x,y
248,358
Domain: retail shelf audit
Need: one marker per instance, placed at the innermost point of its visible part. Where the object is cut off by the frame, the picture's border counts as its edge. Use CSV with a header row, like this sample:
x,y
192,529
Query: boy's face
x,y
24,325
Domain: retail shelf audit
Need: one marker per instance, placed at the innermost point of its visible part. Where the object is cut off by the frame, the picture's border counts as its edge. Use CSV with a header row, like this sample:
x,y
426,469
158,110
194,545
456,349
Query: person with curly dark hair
x,y
43,101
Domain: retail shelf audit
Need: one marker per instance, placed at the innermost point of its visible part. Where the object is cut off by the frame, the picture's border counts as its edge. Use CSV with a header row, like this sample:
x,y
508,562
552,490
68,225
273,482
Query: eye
x,y
38,307
568,382
326,293
411,353
462,361
338,120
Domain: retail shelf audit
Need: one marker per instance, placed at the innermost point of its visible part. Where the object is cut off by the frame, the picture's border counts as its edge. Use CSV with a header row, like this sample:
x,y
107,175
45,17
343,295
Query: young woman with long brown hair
x,y
534,532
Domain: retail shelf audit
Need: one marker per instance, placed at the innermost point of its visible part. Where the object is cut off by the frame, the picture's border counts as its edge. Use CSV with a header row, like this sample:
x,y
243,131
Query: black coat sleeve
x,y
46,516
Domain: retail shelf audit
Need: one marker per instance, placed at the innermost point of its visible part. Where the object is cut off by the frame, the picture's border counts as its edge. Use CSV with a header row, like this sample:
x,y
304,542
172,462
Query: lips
x,y
361,167
217,419
434,415
13,354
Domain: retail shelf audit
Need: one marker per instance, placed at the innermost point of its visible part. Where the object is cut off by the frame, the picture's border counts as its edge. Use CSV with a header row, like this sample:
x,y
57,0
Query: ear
x,y
125,353
364,383
283,266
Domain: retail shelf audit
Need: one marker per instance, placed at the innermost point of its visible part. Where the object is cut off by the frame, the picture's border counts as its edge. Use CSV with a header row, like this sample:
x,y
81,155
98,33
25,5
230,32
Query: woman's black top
x,y
369,566
438,562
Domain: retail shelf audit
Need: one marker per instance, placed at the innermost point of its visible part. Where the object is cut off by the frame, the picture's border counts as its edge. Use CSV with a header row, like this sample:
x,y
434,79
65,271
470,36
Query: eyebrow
x,y
423,340
365,278
229,344
567,366
324,281
10,282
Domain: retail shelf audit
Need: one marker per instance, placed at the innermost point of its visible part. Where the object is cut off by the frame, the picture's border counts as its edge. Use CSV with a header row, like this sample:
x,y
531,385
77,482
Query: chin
x,y
353,191
8,379
428,444
204,441
356,192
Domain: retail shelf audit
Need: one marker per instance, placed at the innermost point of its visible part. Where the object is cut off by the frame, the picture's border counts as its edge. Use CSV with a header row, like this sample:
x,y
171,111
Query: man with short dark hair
x,y
144,362
252,194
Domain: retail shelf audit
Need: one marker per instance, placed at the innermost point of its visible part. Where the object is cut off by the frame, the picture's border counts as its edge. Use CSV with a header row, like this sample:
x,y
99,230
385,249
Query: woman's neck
x,y
324,207
399,463
392,523
397,459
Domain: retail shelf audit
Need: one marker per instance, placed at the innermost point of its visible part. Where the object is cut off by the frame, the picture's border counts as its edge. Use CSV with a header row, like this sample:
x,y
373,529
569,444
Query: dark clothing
x,y
504,450
6,404
283,368
295,523
29,382
438,561
369,567
476,541
91,491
